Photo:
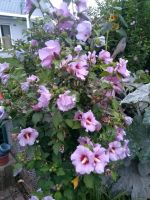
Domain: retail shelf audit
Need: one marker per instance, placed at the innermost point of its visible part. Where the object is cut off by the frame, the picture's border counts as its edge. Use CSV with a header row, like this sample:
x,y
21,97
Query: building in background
x,y
13,22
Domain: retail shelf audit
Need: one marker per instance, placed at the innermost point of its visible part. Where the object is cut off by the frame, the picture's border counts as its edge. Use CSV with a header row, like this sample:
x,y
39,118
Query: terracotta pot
x,y
4,160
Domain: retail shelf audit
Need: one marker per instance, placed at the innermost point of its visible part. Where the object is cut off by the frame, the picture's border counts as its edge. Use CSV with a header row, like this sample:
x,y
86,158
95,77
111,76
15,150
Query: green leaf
x,y
89,181
115,104
58,196
117,8
122,32
56,148
68,194
37,117
57,119
73,124
17,169
60,136
60,172
123,21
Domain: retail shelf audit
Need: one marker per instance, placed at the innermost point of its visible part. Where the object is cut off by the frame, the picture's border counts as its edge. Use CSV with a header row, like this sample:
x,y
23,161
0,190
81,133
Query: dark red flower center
x,y
88,121
97,159
27,135
84,159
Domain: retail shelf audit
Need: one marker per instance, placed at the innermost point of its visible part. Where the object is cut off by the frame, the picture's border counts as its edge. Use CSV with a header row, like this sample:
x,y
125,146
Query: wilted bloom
x,y
4,78
101,159
102,40
81,5
27,136
105,56
65,24
63,10
84,30
115,82
85,141
25,86
110,93
2,111
79,69
34,43
48,198
82,159
66,101
78,48
49,27
120,133
92,57
32,78
1,96
115,151
3,67
64,63
128,120
109,70
89,122
48,53
28,6
20,55
125,150
45,97
121,68
78,115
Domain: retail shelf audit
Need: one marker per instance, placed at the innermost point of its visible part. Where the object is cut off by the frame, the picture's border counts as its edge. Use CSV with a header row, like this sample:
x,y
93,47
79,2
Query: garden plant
x,y
64,99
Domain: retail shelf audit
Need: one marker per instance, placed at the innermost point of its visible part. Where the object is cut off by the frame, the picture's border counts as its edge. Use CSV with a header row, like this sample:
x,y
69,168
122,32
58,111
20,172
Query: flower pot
x,y
4,149
4,159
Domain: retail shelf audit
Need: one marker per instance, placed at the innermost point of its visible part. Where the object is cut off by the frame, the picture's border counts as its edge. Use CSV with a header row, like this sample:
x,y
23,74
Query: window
x,y
5,41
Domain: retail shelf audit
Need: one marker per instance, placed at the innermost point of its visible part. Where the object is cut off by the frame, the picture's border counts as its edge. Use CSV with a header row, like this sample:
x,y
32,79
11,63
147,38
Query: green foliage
x,y
133,19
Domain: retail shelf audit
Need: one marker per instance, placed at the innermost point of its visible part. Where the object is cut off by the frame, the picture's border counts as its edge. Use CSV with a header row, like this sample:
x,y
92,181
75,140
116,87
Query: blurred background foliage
x,y
130,19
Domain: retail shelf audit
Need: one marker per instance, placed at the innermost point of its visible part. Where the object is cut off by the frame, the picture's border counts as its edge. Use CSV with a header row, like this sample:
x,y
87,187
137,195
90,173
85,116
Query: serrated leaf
x,y
60,136
56,148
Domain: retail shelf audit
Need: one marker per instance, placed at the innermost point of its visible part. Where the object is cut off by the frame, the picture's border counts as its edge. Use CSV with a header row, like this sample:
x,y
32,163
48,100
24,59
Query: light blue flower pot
x,y
4,149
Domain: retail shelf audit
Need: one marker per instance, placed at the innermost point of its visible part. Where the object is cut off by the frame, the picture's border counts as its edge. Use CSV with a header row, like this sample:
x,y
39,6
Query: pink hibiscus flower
x,y
115,151
47,54
84,30
82,159
101,159
121,68
105,56
44,99
27,136
79,69
66,101
81,5
89,122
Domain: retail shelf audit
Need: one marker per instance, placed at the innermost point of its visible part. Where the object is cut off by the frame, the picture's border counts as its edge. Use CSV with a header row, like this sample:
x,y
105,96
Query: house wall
x,y
17,26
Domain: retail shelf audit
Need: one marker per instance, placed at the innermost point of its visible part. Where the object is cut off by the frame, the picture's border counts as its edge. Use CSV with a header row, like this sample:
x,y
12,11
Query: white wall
x,y
17,26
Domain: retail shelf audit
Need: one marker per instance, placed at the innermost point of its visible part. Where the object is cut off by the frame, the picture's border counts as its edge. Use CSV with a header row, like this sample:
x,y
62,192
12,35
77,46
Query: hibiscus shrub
x,y
64,103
